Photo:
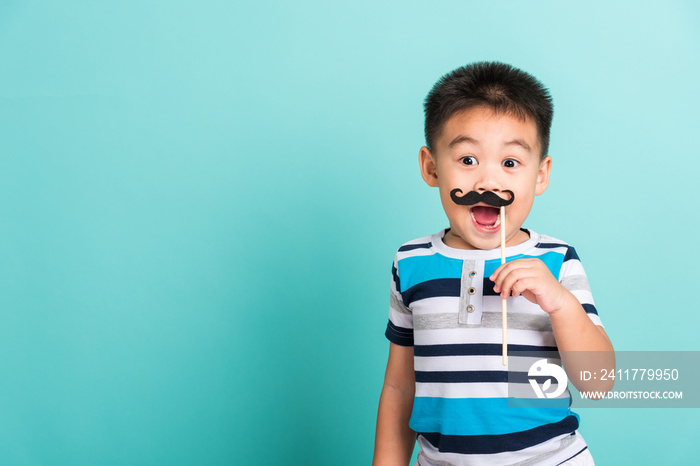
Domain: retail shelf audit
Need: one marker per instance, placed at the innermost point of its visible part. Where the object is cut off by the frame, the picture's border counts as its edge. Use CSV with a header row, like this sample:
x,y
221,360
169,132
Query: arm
x,y
582,344
394,440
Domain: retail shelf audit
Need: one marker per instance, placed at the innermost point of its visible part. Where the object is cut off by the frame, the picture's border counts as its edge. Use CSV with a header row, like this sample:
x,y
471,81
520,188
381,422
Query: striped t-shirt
x,y
443,304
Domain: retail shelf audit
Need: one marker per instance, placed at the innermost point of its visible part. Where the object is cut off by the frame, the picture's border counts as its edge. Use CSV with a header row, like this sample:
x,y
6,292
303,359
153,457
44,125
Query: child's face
x,y
479,150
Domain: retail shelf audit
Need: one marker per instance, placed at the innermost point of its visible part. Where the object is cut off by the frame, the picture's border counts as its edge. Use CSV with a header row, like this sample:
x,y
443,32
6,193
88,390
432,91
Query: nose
x,y
488,179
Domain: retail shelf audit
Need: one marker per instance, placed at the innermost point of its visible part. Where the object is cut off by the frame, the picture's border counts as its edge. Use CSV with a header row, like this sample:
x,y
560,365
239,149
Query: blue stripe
x,y
590,309
432,289
485,349
539,403
490,444
417,269
399,335
411,247
478,416
570,251
553,260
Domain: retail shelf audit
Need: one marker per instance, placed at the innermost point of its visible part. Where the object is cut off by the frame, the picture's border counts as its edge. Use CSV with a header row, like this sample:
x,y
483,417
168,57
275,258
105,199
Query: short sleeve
x,y
573,278
399,330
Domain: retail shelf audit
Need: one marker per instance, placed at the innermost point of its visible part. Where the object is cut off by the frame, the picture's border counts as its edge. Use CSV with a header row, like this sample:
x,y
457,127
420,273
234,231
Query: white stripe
x,y
400,319
480,390
518,305
423,240
595,319
551,240
572,267
463,390
584,297
473,363
483,335
458,363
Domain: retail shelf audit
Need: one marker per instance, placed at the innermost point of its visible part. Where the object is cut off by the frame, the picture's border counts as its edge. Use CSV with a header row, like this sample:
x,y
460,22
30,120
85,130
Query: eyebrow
x,y
515,142
519,142
462,139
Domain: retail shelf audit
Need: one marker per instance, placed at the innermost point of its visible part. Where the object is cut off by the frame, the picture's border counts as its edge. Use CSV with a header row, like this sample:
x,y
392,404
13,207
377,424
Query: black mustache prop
x,y
487,197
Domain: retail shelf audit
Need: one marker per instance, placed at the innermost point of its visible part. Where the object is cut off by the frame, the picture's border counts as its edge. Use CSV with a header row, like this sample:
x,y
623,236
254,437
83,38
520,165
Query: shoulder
x,y
548,241
417,247
545,243
423,242
416,255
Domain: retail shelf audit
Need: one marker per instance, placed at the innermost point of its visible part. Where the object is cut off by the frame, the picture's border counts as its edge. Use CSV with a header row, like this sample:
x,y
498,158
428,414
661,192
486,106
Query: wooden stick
x,y
504,306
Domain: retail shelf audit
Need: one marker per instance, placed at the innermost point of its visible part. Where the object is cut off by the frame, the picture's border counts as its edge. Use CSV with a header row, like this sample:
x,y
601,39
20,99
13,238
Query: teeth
x,y
498,222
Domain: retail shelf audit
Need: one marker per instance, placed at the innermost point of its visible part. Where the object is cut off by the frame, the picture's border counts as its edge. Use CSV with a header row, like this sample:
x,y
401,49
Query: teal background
x,y
200,203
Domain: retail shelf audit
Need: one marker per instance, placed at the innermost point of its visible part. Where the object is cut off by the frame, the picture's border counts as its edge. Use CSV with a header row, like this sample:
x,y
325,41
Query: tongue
x,y
485,215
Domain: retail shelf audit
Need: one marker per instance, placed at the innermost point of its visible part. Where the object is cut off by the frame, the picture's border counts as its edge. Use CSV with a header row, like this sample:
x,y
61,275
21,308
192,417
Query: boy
x,y
487,130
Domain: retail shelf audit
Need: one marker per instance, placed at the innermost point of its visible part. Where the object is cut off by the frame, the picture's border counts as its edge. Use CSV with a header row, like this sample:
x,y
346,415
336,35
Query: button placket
x,y
466,292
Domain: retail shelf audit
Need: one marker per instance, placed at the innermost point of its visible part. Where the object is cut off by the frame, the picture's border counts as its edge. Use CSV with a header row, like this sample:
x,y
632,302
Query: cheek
x,y
447,204
522,207
445,194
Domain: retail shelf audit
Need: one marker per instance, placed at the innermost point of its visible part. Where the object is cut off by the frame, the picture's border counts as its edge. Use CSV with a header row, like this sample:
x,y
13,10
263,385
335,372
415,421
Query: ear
x,y
543,175
428,167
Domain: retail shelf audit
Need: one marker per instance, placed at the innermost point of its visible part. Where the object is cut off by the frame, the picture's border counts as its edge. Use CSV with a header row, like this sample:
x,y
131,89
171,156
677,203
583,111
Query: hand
x,y
532,279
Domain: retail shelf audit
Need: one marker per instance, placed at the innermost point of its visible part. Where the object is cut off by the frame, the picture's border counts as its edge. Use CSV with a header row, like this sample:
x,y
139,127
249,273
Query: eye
x,y
469,160
510,163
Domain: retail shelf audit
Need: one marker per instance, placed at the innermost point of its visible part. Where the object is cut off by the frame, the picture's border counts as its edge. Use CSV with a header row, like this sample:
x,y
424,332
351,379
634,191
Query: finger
x,y
494,276
502,270
513,283
505,270
521,286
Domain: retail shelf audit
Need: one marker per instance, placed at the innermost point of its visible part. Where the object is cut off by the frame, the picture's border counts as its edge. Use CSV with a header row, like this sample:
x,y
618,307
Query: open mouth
x,y
485,217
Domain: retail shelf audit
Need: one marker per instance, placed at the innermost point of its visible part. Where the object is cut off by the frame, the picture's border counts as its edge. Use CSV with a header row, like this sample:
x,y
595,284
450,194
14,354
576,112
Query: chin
x,y
467,242
488,245
492,241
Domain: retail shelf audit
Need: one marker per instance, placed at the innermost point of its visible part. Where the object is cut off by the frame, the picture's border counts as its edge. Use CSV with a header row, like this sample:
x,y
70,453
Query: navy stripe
x,y
399,335
480,377
488,288
485,349
411,247
590,309
432,289
571,254
395,274
570,251
550,245
490,444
